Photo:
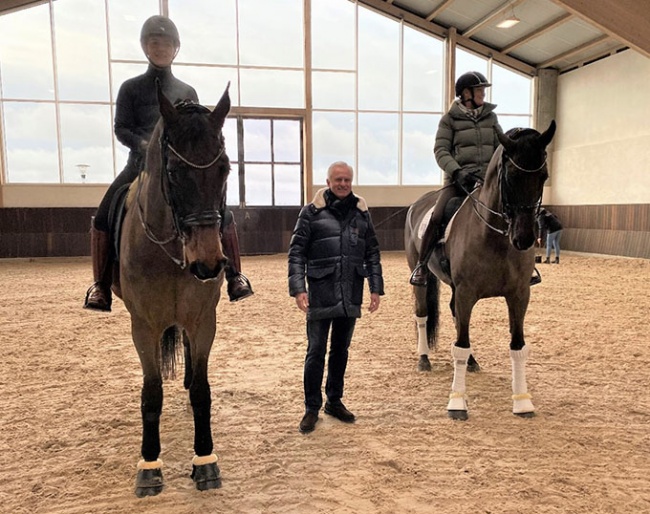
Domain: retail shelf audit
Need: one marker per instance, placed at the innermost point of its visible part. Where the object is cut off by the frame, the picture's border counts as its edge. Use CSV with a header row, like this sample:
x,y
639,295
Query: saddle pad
x,y
425,222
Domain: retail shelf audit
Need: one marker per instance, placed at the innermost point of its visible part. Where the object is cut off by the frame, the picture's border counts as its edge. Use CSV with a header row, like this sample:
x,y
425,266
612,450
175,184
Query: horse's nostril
x,y
203,272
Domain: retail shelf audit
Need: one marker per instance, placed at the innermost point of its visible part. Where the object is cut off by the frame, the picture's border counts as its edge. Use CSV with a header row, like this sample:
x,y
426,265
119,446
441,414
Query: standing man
x,y
334,246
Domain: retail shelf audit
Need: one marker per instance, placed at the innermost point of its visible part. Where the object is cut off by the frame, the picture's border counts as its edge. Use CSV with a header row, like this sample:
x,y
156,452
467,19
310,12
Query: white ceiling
x,y
559,34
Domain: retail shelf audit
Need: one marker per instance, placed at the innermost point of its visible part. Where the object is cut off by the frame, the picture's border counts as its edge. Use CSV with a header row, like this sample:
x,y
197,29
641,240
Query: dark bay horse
x,y
171,270
489,246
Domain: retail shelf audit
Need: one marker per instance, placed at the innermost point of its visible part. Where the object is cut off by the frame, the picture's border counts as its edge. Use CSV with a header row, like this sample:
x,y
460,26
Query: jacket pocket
x,y
322,286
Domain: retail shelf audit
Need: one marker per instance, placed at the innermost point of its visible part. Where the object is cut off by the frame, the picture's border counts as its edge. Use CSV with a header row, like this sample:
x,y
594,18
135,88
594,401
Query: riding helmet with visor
x,y
470,80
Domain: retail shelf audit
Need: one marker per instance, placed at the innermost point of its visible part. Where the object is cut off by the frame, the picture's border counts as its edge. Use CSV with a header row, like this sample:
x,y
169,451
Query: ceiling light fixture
x,y
510,21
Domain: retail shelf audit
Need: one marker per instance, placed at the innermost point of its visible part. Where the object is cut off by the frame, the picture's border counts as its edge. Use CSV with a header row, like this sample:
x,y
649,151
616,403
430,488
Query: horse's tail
x,y
433,309
170,344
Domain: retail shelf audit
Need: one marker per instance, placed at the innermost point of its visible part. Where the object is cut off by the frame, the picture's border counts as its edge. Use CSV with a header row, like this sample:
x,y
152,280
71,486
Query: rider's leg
x,y
432,235
98,296
239,287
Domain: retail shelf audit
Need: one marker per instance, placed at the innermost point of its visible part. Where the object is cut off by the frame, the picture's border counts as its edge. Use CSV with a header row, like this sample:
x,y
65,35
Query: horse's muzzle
x,y
523,243
203,272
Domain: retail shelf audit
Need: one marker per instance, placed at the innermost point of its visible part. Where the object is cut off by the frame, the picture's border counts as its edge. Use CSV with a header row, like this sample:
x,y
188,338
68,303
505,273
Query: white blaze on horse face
x,y
340,181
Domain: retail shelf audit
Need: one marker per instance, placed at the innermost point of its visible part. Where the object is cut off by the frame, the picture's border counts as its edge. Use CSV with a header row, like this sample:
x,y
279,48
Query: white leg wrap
x,y
457,400
151,464
521,399
423,347
206,459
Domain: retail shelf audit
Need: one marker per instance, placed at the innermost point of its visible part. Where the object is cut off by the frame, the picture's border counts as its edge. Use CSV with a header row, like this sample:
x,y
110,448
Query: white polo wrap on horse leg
x,y
521,398
457,400
423,346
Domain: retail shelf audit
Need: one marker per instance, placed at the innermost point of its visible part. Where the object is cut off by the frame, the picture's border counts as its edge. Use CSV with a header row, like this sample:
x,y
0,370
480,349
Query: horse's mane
x,y
519,132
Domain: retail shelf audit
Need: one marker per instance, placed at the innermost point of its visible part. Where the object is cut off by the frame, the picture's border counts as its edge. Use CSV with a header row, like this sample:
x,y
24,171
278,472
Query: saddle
x,y
116,214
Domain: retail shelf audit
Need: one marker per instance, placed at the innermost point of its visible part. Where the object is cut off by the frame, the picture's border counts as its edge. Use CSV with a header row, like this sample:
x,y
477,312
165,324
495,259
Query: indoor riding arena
x,y
313,82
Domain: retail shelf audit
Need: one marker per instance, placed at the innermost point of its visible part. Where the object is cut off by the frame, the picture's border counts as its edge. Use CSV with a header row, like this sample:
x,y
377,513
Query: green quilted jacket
x,y
462,141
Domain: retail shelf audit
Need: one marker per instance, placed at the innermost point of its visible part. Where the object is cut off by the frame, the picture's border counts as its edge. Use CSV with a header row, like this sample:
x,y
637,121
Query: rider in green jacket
x,y
465,141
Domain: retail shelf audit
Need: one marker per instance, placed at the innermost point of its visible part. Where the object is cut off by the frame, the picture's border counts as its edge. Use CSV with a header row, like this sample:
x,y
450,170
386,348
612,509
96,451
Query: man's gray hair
x,y
338,164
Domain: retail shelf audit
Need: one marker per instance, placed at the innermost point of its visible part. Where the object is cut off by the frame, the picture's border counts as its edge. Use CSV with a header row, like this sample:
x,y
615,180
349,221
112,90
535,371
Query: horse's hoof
x,y
472,365
526,415
460,415
206,476
149,482
424,364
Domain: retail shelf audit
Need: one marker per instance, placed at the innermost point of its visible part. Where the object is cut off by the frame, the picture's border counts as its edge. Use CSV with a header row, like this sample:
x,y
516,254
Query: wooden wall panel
x,y
58,232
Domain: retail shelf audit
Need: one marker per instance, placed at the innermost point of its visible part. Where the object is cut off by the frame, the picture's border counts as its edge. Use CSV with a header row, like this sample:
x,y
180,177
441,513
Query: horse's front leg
x,y
421,317
460,352
205,471
149,480
522,404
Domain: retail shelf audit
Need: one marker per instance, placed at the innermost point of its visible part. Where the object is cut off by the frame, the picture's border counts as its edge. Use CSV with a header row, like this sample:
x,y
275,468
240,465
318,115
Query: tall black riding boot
x,y
239,287
98,296
431,236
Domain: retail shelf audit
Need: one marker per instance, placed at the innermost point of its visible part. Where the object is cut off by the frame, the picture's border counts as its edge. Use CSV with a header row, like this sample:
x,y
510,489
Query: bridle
x,y
508,207
207,217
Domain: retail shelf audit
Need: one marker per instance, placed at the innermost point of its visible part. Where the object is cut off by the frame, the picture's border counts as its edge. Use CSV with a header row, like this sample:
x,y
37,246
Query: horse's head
x,y
522,173
194,172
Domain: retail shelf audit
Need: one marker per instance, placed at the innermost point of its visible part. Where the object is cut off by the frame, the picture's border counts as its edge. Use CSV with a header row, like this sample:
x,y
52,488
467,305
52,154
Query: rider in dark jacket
x,y
136,115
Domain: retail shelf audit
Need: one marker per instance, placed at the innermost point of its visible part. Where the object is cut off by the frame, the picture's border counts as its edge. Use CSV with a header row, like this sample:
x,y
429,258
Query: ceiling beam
x,y
577,50
438,10
496,13
7,6
593,58
627,21
537,32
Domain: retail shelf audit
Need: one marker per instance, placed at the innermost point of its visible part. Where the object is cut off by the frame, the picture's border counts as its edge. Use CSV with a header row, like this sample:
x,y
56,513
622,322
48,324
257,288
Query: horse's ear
x,y
507,143
167,110
547,136
218,116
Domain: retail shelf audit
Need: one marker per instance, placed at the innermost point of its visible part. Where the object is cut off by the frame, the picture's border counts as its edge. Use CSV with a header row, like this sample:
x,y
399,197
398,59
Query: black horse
x,y
489,247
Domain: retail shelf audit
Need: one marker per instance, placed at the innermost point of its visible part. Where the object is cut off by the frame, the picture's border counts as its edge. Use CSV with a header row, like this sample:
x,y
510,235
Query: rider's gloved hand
x,y
468,176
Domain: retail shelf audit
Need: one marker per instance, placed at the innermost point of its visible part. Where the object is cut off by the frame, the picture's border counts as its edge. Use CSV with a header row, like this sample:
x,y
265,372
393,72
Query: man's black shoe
x,y
339,412
308,422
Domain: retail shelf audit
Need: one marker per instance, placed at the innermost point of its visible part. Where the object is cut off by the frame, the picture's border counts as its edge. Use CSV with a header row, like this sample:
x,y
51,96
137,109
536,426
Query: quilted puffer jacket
x,y
332,250
462,141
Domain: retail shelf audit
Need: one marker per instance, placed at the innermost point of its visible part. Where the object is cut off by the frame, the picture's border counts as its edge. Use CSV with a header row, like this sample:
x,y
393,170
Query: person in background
x,y
332,249
136,114
465,141
550,228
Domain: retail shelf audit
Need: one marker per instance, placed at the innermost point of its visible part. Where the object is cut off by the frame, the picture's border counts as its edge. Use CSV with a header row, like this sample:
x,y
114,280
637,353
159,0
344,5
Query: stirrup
x,y
239,288
536,278
419,275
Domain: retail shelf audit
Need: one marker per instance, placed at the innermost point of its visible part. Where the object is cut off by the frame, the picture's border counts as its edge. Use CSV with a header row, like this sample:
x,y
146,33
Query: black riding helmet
x,y
470,80
159,26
